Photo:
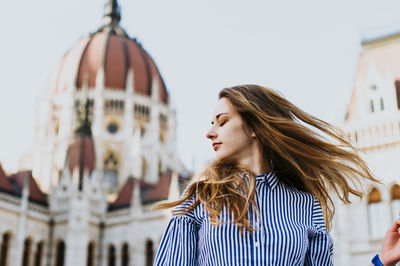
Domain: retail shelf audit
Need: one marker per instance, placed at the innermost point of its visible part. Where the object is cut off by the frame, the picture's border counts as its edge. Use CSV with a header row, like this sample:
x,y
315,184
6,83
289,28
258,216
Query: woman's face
x,y
230,137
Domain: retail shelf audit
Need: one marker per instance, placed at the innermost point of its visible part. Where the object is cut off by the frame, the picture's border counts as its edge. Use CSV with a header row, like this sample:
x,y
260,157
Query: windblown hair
x,y
301,157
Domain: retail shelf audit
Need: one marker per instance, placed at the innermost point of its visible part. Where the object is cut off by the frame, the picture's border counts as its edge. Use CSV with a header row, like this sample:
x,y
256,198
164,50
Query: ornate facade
x,y
104,153
372,124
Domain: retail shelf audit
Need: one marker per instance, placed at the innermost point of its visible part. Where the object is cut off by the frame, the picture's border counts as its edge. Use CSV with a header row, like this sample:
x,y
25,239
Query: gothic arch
x,y
376,222
374,196
395,200
110,170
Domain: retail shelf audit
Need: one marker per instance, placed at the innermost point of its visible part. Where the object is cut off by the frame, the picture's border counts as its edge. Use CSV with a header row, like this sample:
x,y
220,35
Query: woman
x,y
264,199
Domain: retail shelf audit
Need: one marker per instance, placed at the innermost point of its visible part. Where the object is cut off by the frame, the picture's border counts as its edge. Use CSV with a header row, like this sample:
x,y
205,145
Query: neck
x,y
255,163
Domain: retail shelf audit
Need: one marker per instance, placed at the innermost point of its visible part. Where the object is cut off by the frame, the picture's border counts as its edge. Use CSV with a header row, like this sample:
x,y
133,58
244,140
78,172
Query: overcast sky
x,y
307,50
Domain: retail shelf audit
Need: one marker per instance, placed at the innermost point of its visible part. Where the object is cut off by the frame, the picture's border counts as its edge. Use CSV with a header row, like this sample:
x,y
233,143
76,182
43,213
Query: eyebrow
x,y
217,117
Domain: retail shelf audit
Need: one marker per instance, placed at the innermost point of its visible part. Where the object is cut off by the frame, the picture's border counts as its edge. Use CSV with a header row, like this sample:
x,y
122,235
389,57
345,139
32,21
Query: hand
x,y
390,253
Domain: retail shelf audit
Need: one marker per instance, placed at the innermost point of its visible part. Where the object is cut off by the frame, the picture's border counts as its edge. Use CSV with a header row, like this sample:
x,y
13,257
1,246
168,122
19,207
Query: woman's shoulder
x,y
190,207
297,193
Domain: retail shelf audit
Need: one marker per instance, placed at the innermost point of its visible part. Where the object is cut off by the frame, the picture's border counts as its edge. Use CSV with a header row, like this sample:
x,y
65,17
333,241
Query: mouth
x,y
216,145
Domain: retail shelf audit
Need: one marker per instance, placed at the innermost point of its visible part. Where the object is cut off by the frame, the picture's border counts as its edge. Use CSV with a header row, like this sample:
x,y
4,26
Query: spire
x,y
112,14
83,127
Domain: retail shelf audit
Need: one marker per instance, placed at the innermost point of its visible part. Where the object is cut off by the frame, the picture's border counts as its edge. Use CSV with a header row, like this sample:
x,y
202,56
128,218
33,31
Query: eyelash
x,y
222,124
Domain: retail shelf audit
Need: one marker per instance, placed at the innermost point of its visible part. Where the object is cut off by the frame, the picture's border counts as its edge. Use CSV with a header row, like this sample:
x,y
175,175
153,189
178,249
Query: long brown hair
x,y
311,161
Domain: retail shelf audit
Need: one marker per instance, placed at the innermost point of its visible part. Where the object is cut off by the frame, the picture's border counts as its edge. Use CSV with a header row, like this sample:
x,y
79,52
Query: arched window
x,y
60,253
125,255
39,254
397,87
163,127
90,254
5,244
376,214
144,167
110,174
26,252
159,167
149,252
111,256
371,106
395,200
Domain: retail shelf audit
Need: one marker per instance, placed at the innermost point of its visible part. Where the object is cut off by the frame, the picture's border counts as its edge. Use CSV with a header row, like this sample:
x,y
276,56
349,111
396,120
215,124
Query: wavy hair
x,y
305,152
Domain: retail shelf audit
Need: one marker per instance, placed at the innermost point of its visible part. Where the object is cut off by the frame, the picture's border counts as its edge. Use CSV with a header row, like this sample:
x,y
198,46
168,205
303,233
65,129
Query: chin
x,y
222,157
219,157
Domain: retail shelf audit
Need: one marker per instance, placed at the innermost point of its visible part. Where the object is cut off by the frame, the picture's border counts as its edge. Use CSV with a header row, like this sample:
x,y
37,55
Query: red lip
x,y
216,145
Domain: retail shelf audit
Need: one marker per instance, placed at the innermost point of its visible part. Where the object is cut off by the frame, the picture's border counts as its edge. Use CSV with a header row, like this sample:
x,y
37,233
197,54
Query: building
x,y
372,124
104,153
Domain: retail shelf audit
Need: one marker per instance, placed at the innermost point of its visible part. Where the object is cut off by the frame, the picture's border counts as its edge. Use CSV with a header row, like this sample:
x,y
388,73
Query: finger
x,y
396,225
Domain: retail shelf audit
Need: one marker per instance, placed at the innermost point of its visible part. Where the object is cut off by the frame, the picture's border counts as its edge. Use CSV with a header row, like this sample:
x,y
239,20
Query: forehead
x,y
223,106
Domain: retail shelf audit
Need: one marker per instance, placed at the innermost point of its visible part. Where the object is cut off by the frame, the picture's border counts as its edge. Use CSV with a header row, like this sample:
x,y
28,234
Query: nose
x,y
211,134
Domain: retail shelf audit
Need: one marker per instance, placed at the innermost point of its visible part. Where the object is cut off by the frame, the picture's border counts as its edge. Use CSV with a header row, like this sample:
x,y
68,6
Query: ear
x,y
253,135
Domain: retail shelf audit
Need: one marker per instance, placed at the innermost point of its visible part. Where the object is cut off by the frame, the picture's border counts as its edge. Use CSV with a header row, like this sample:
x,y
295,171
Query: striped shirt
x,y
290,231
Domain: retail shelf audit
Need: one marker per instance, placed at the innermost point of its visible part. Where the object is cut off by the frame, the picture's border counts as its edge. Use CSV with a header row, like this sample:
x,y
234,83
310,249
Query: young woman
x,y
264,199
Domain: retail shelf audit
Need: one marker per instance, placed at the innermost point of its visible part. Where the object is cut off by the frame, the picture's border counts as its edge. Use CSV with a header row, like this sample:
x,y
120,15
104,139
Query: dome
x,y
80,153
112,50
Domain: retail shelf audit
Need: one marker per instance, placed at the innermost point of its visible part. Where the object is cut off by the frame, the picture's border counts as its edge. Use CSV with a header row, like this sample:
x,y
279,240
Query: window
x,y
142,112
382,104
110,172
78,108
376,215
395,200
90,254
111,256
5,245
27,252
397,87
125,255
163,127
371,103
144,167
60,253
39,254
159,166
112,128
149,253
112,105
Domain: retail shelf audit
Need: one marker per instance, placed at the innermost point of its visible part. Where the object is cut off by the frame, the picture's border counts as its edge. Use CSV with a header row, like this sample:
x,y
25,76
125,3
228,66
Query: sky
x,y
307,50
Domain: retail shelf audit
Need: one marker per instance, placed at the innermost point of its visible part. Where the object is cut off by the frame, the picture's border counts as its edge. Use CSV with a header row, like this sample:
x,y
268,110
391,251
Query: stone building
x,y
372,124
104,153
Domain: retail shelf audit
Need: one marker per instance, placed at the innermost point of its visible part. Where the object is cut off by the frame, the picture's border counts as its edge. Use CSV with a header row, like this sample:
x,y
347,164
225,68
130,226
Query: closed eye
x,y
222,123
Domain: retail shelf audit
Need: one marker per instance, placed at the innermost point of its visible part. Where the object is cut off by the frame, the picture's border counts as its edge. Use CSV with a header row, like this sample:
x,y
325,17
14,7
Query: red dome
x,y
81,154
110,49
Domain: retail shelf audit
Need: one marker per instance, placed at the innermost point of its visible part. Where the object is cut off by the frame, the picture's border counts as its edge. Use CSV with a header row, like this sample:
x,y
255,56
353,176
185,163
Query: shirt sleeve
x,y
179,243
320,246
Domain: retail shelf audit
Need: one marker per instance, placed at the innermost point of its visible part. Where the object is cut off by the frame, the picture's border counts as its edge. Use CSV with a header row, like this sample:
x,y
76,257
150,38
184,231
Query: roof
x,y
35,194
5,184
80,155
112,50
149,193
380,56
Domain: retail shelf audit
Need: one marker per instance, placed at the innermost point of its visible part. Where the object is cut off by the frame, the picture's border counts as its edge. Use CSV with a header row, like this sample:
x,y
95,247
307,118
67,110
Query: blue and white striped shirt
x,y
291,232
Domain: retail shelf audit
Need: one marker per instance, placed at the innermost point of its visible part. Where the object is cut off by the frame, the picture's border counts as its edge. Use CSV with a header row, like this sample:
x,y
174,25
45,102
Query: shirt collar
x,y
270,178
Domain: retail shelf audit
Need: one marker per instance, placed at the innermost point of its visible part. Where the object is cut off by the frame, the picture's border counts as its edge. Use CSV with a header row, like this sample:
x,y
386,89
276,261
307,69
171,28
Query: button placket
x,y
260,223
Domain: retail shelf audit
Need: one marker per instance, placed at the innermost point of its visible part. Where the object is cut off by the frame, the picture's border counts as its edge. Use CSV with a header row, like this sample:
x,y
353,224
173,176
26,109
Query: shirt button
x,y
256,244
